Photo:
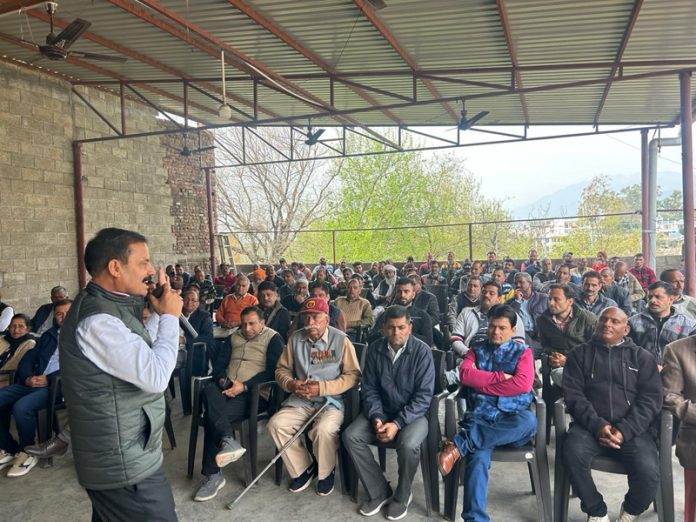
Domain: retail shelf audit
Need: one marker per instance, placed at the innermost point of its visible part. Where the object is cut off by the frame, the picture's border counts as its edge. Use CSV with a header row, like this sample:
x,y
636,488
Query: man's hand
x,y
508,376
387,432
377,425
610,437
519,294
38,381
169,302
294,385
237,388
557,360
308,389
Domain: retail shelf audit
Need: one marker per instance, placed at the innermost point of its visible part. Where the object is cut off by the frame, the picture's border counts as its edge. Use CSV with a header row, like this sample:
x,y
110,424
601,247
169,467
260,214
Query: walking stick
x,y
329,400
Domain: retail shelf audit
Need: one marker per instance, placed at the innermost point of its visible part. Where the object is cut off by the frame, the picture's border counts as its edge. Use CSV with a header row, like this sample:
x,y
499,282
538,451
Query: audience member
x,y
179,270
528,304
510,271
249,358
337,318
591,298
229,312
385,288
404,294
508,291
545,275
600,261
275,316
201,321
288,286
425,300
579,270
684,304
491,263
469,298
660,324
498,375
614,292
14,345
43,317
531,265
679,381
434,277
626,280
642,272
318,361
293,303
29,395
357,310
396,390
612,416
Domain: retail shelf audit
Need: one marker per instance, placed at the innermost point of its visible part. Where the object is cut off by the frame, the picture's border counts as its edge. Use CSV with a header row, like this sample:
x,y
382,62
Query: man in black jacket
x,y
404,294
274,314
43,317
614,393
396,390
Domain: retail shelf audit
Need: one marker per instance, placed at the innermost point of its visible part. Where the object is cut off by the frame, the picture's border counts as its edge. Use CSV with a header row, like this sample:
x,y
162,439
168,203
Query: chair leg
x,y
561,494
193,442
427,479
531,477
452,491
382,452
278,471
248,467
536,486
168,427
172,388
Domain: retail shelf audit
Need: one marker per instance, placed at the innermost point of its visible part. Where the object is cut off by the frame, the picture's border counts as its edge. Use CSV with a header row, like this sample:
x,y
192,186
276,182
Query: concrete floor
x,y
52,494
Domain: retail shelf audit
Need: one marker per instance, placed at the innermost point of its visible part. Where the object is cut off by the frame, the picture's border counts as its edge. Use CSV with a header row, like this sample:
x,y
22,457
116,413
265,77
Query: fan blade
x,y
477,117
201,149
100,57
71,33
14,39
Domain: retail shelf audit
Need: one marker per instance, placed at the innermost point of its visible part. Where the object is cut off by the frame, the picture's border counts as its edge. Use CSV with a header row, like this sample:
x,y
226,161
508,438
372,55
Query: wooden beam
x,y
512,52
619,55
259,19
370,13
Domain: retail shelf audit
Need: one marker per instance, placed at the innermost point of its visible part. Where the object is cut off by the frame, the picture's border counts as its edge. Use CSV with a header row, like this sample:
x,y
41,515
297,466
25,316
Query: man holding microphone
x,y
114,375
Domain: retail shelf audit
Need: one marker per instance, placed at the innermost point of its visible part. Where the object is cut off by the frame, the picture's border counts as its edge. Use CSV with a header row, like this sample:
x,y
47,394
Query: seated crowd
x,y
605,334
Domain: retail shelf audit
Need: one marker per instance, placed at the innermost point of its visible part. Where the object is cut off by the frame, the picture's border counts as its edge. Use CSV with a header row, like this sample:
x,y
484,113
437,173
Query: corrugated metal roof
x,y
299,44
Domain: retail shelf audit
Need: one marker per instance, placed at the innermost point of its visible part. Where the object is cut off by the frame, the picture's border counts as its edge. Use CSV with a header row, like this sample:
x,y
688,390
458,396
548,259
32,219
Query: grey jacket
x,y
645,333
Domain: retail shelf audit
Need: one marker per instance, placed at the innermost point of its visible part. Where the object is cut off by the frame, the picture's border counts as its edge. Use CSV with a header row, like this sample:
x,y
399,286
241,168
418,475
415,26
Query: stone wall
x,y
136,183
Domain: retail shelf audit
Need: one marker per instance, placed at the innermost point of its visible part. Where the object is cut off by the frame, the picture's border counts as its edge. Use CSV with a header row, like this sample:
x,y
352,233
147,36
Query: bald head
x,y
612,326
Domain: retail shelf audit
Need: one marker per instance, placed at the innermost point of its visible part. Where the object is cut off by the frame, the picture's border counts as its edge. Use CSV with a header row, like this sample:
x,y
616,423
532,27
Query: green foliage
x,y
405,190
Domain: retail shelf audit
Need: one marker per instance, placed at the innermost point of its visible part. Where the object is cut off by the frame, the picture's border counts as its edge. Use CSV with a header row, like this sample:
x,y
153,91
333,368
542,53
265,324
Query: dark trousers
x,y
360,434
221,413
23,402
638,455
150,500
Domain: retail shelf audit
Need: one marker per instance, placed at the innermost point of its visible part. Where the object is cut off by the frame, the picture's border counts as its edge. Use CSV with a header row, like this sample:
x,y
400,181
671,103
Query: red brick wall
x,y
189,204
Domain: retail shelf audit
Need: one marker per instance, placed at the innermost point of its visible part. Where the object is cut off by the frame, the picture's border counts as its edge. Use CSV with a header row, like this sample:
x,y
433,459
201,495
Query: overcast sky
x,y
525,171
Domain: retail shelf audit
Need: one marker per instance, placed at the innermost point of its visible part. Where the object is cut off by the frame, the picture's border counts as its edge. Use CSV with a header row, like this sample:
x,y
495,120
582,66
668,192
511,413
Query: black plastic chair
x,y
198,351
549,392
664,500
248,428
361,352
533,454
429,446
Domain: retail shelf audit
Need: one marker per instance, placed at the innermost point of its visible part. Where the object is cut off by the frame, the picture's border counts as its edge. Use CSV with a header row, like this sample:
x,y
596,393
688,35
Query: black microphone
x,y
157,292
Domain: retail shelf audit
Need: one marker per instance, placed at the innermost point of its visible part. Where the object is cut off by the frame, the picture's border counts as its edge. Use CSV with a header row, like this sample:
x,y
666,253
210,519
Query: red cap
x,y
314,305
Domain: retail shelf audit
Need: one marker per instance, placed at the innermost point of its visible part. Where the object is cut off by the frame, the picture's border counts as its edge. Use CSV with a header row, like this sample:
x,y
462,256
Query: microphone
x,y
157,292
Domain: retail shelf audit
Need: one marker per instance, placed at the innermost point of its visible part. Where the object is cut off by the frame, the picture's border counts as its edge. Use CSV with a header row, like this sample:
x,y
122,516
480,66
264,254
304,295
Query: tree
x,y
402,191
263,205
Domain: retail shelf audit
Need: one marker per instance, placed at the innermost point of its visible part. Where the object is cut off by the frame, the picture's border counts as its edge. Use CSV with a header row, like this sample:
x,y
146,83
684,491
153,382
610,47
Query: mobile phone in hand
x,y
227,384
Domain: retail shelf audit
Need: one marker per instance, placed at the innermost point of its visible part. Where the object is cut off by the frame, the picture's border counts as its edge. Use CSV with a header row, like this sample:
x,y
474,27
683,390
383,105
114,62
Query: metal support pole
x,y
688,182
211,222
471,244
644,190
333,242
122,94
79,214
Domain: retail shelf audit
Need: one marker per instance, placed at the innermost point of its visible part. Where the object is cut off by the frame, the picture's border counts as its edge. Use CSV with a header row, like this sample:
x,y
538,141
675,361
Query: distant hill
x,y
565,202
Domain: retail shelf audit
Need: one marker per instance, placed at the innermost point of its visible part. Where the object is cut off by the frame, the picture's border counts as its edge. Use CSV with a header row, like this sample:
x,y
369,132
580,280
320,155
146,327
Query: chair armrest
x,y
451,414
10,373
540,407
254,394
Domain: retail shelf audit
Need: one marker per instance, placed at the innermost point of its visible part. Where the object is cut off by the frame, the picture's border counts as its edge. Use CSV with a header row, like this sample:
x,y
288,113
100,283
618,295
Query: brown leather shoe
x,y
448,457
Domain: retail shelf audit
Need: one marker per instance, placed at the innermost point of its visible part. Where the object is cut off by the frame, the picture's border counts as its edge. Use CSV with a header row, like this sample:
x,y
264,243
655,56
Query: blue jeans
x,y
23,402
476,443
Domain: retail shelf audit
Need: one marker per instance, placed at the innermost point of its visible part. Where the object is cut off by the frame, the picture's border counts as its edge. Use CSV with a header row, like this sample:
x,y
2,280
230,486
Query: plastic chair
x,y
247,427
197,351
429,446
549,392
664,500
533,454
361,352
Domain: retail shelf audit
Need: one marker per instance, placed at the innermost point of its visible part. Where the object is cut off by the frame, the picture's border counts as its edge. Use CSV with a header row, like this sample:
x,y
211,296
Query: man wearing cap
x,y
318,361
568,260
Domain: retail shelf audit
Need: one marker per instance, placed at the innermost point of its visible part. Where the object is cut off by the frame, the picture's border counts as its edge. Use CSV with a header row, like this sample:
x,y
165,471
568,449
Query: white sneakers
x,y
625,517
5,459
22,464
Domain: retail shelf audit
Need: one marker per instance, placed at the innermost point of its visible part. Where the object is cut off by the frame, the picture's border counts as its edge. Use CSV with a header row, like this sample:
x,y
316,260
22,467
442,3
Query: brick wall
x,y
137,183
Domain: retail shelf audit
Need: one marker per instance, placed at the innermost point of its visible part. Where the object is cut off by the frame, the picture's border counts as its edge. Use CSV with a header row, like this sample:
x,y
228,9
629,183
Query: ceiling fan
x,y
56,46
186,152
